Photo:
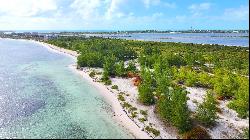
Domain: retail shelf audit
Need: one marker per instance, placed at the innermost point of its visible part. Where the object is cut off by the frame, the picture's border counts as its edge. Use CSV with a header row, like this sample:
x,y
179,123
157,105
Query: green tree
x,y
145,88
241,101
120,69
131,67
163,106
180,113
108,69
206,112
109,63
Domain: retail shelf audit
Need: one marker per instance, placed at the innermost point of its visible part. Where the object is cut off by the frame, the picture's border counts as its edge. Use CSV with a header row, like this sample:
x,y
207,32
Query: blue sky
x,y
123,14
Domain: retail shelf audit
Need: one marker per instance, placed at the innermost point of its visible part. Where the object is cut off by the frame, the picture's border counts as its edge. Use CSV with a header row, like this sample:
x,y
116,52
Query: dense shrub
x,y
131,67
225,84
173,108
152,130
108,82
175,60
92,74
180,115
205,80
145,88
120,69
93,59
121,98
114,87
241,101
206,112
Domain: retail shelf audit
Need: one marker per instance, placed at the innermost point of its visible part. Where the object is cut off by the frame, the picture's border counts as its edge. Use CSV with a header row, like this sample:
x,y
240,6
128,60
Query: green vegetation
x,y
246,133
145,88
176,54
173,108
126,105
121,98
180,115
142,120
165,68
134,114
114,87
94,50
131,109
206,112
120,69
108,82
196,133
131,67
122,93
241,101
92,74
144,113
225,84
152,130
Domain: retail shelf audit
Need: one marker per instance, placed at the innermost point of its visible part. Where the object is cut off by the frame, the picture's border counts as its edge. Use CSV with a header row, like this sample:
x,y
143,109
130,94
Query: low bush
x,y
246,133
142,120
121,98
196,133
206,112
114,87
107,82
241,101
126,105
152,130
122,93
144,113
133,109
92,74
134,114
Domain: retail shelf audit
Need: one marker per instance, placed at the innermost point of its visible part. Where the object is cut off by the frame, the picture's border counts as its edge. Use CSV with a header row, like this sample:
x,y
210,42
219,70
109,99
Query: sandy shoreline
x,y
120,115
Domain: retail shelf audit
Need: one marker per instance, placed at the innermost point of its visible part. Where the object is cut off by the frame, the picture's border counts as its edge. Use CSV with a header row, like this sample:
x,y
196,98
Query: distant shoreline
x,y
167,39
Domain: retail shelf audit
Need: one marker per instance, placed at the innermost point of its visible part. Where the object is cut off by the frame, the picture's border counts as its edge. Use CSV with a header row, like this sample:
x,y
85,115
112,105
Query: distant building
x,y
7,33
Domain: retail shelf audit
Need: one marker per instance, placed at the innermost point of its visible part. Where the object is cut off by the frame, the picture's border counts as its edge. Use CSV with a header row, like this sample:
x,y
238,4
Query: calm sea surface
x,y
230,39
40,97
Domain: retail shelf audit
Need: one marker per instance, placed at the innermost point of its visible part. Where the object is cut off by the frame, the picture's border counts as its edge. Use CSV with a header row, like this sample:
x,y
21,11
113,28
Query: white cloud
x,y
197,9
86,8
113,9
181,18
169,5
26,8
105,14
241,13
157,15
93,9
149,3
